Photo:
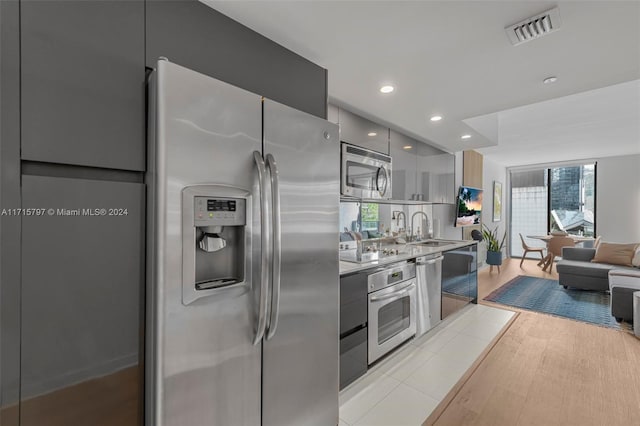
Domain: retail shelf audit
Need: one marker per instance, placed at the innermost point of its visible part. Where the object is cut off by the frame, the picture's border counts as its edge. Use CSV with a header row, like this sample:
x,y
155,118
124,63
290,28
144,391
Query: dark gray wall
x,y
9,225
72,288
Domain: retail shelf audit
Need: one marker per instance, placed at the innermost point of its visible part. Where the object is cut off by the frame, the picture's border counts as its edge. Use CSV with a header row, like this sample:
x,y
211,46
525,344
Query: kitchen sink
x,y
436,243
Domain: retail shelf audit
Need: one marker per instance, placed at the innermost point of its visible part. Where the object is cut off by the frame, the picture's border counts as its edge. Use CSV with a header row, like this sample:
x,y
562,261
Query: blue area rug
x,y
547,296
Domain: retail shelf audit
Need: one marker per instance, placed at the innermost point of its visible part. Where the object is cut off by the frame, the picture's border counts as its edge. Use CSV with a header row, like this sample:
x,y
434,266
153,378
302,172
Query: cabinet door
x,y
353,301
83,82
194,35
82,303
359,131
403,154
435,174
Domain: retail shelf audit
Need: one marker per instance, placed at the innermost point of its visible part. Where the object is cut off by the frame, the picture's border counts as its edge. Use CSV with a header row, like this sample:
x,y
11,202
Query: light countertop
x,y
412,250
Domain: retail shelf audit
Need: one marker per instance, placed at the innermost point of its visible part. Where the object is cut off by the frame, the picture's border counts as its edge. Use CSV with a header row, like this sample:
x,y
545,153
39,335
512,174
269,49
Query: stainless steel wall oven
x,y
392,308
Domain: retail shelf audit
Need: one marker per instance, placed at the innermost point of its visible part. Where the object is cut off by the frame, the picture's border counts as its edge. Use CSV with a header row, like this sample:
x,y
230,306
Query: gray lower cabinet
x,y
359,131
82,303
353,327
83,82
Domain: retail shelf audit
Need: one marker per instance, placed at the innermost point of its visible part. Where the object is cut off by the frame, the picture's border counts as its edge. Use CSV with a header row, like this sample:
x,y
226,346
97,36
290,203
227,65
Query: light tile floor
x,y
406,387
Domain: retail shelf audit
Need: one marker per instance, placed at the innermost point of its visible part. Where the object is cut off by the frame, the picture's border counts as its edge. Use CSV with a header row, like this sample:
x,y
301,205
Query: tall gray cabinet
x,y
73,126
82,147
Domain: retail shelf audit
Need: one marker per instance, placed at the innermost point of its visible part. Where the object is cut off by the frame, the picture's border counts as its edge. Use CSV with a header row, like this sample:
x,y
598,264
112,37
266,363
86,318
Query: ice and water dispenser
x,y
216,239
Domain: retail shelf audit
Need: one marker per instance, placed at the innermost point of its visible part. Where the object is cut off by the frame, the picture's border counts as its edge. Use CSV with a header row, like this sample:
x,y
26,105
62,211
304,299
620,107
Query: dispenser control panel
x,y
219,211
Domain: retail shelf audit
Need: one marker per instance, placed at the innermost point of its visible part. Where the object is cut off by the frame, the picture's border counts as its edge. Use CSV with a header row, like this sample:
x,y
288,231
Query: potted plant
x,y
494,245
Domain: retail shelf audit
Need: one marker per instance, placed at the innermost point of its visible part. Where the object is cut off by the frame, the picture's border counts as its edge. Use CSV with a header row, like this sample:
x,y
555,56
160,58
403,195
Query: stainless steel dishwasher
x,y
428,292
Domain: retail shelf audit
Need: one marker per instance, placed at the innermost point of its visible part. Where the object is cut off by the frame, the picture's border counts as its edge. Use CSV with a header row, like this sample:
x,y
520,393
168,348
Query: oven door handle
x,y
399,292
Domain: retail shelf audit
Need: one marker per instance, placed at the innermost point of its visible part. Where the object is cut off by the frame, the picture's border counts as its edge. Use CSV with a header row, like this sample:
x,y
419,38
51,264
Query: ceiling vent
x,y
534,27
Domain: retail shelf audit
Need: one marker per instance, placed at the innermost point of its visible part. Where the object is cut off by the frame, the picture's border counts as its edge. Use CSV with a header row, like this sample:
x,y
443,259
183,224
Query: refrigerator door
x,y
205,368
301,358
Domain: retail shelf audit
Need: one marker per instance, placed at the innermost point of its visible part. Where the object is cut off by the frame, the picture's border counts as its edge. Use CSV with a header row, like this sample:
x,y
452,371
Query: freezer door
x,y
301,358
205,368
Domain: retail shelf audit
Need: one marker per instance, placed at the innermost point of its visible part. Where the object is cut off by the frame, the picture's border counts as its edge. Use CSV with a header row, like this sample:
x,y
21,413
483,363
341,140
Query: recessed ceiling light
x,y
407,147
387,89
550,80
465,137
436,118
371,134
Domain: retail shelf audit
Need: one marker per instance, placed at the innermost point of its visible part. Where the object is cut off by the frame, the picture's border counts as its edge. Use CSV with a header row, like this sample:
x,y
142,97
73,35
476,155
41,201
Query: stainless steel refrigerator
x,y
243,281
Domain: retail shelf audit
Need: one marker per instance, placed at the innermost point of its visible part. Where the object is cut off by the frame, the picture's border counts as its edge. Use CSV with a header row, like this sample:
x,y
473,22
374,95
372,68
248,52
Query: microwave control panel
x,y
214,211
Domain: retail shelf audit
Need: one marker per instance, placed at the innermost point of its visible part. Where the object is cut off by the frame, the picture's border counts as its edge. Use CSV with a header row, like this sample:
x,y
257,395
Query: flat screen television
x,y
469,206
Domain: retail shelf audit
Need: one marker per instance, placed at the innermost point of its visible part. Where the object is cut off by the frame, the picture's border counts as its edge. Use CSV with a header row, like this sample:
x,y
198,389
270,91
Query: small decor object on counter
x,y
494,246
497,201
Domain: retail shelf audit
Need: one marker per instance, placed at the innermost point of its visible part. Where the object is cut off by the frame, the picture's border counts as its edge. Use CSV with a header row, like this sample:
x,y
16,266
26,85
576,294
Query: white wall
x,y
492,171
618,198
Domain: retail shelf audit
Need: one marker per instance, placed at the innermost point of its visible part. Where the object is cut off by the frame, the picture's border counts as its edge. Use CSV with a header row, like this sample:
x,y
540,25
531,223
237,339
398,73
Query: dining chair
x,y
554,249
528,249
597,241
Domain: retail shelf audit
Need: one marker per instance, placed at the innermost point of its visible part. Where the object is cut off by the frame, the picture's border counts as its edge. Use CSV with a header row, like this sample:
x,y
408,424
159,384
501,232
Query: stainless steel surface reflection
x,y
263,349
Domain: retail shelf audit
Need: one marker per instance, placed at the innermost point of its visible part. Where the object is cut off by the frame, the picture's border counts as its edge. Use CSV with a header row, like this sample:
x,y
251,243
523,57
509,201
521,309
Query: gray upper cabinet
x,y
362,132
403,175
83,82
192,34
420,171
435,174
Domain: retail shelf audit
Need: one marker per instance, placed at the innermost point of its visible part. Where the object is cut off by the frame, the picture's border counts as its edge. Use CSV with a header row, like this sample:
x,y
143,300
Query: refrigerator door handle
x,y
277,247
265,226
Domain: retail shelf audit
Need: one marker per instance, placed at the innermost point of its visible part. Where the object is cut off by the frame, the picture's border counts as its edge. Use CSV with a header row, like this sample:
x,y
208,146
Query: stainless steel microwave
x,y
365,173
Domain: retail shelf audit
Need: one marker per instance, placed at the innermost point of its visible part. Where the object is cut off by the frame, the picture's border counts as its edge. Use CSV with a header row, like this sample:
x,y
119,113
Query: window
x,y
550,199
370,216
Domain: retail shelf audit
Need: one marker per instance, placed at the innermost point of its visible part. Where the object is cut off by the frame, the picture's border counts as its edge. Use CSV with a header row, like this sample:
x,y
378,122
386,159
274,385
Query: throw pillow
x,y
615,254
636,258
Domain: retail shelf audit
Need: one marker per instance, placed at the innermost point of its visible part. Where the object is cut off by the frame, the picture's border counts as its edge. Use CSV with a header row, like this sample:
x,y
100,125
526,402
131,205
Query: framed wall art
x,y
497,201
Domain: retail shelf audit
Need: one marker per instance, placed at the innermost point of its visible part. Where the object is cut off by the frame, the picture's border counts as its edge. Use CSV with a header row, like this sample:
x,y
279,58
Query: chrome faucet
x,y
418,237
404,219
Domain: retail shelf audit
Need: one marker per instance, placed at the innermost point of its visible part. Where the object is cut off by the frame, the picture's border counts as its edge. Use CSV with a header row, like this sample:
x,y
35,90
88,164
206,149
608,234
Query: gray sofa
x,y
577,271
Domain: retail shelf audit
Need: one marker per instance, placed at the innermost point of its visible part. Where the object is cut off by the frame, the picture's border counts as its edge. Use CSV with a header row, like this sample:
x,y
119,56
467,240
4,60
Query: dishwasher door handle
x,y
432,261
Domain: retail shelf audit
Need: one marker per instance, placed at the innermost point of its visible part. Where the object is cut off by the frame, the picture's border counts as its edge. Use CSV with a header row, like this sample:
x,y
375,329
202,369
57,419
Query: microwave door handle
x,y
383,171
272,325
265,239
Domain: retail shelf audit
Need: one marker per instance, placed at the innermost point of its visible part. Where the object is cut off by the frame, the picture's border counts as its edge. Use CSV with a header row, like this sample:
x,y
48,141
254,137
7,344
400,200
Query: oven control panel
x,y
390,275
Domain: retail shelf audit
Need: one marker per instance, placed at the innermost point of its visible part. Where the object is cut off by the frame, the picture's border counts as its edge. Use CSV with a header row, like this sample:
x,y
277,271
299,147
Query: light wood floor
x,y
546,370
